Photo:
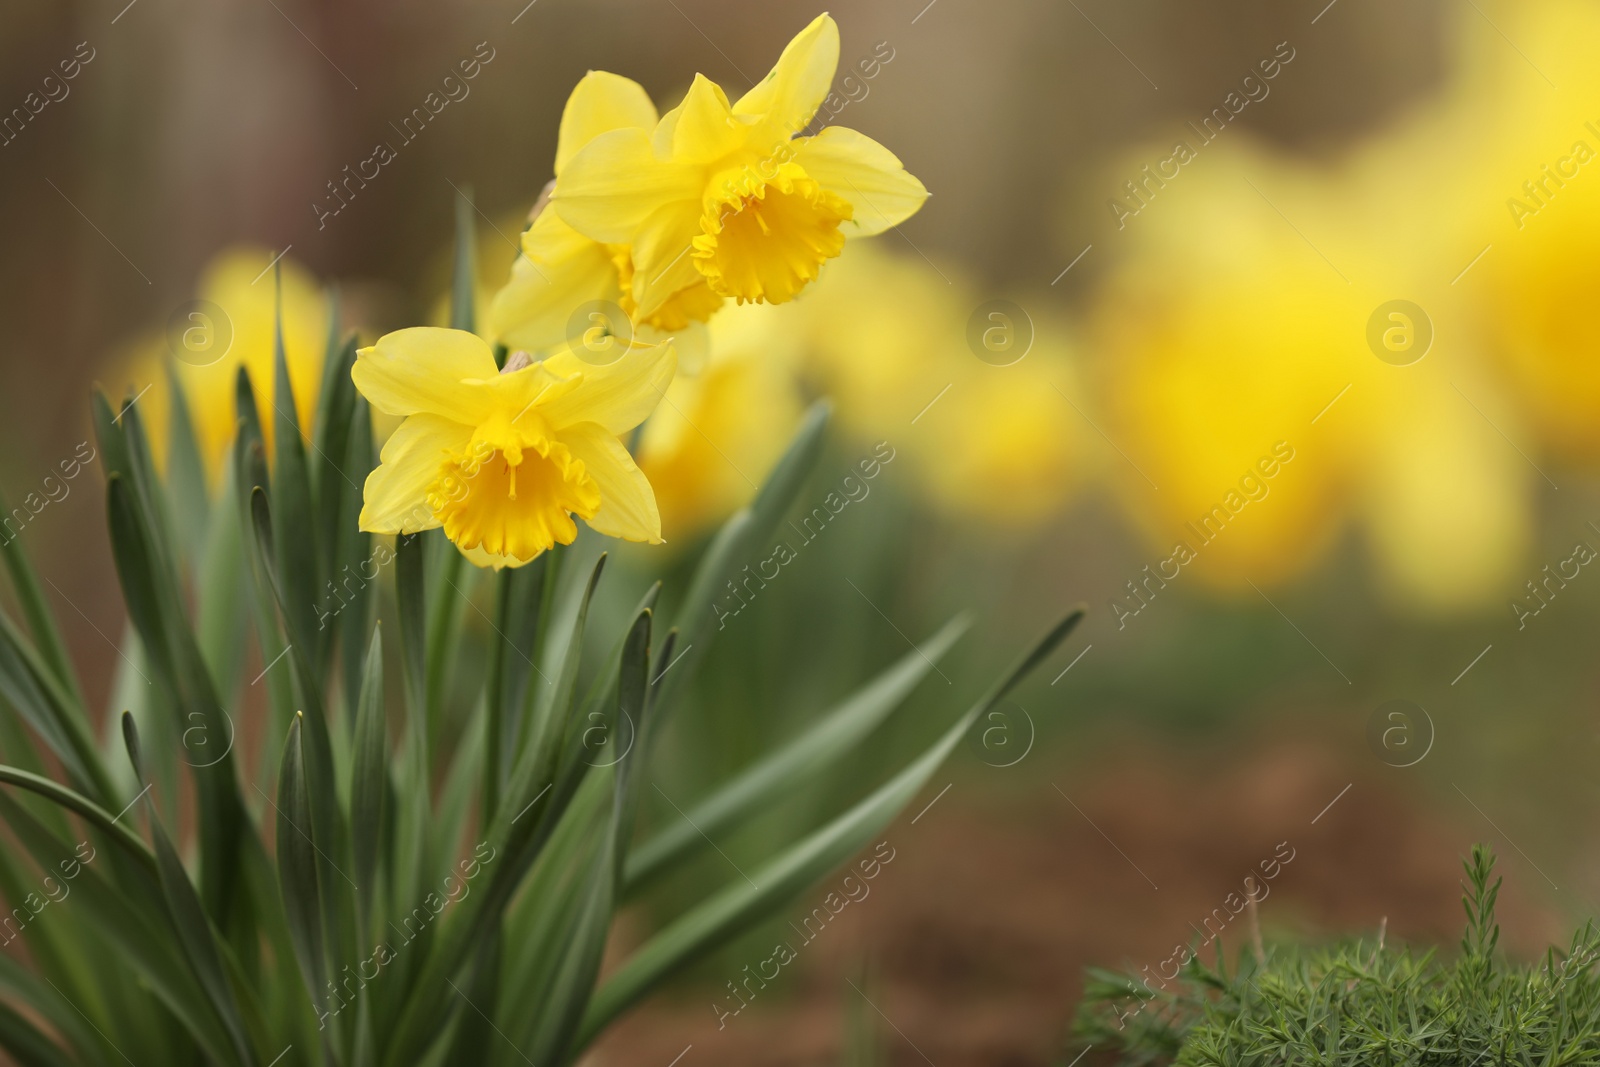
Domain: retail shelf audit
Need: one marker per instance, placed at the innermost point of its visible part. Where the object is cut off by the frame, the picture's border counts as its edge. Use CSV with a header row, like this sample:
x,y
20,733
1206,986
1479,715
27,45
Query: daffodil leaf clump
x,y
352,817
1363,1004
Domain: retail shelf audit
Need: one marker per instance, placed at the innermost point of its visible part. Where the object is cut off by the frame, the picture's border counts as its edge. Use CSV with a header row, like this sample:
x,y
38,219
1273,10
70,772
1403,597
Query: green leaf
x,y
464,279
30,687
542,785
155,606
185,480
187,915
24,1042
774,777
127,916
294,522
560,1008
743,534
519,593
745,902
410,590
297,866
355,554
41,620
369,779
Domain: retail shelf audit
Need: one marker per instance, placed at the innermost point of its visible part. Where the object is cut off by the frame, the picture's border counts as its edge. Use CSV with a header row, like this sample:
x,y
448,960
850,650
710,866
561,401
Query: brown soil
x,y
979,930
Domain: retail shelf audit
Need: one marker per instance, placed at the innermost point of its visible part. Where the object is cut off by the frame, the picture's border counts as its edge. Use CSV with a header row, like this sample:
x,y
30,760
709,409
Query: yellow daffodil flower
x,y
717,434
728,195
1258,420
209,344
560,270
503,461
1532,155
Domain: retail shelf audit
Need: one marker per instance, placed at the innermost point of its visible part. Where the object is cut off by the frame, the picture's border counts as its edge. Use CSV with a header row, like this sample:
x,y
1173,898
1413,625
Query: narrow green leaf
x,y
561,1007
542,785
784,878
464,279
79,804
187,915
25,1043
30,687
294,521
410,587
774,777
511,666
743,534
128,917
41,620
355,556
369,779
185,475
297,866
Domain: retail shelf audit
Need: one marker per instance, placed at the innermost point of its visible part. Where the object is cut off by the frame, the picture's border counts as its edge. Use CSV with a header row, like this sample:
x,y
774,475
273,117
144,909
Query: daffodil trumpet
x,y
727,199
506,461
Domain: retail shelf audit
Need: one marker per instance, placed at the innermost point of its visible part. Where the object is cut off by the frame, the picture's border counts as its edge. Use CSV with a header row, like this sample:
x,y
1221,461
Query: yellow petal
x,y
866,174
702,128
481,557
559,270
395,494
616,182
618,396
627,503
426,368
601,102
662,263
789,95
692,343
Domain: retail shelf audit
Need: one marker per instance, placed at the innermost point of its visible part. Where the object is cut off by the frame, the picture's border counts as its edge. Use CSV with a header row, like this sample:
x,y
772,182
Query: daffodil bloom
x,y
720,432
730,196
231,326
560,271
504,461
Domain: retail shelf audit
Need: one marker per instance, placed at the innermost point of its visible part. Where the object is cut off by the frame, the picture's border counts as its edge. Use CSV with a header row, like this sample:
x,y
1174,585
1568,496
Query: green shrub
x,y
1363,1004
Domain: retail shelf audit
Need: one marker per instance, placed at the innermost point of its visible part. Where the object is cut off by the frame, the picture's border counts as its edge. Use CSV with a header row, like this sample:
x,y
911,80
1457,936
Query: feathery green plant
x,y
1363,1004
347,900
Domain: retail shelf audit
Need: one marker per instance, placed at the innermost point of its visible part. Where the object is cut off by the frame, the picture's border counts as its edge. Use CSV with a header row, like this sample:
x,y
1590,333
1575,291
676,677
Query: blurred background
x,y
1266,329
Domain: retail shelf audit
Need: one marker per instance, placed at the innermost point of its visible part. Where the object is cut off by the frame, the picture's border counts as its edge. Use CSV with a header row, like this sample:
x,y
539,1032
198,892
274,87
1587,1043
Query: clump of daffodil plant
x,y
394,831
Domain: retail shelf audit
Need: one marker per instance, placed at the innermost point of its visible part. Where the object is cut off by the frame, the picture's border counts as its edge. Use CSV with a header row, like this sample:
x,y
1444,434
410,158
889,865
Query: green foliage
x,y
1363,1004
423,863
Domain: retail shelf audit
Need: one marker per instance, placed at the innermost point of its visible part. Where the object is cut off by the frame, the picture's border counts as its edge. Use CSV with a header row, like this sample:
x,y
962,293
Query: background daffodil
x,y
230,326
718,433
728,196
504,461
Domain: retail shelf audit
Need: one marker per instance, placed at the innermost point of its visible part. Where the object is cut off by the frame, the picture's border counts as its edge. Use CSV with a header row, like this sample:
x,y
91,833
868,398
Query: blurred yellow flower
x,y
1533,162
1003,445
885,336
1236,342
236,284
717,434
560,271
229,326
503,461
728,195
